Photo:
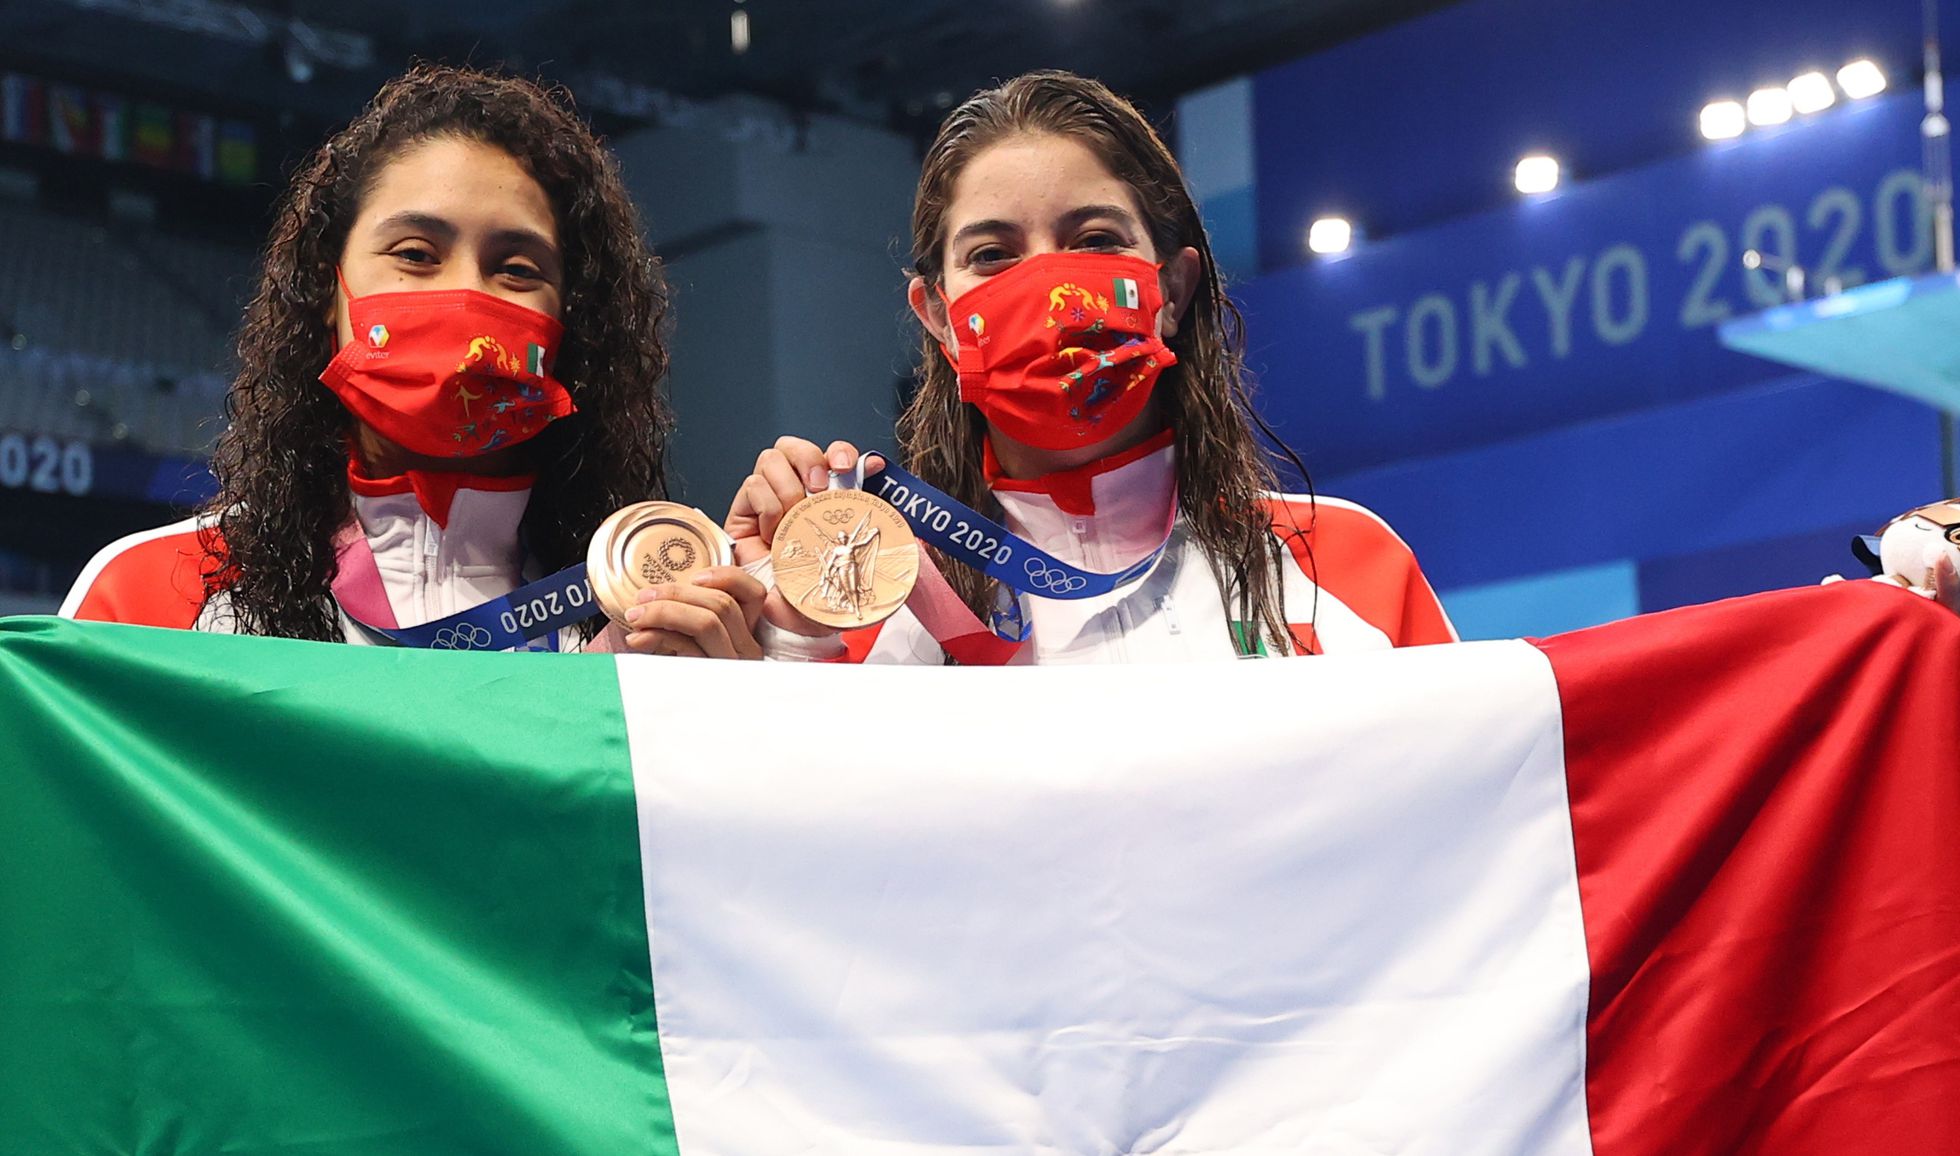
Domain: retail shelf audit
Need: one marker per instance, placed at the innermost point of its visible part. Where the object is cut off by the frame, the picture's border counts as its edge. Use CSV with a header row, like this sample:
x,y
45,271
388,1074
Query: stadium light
x,y
1536,173
1861,78
1812,92
738,31
1723,120
1768,106
1330,235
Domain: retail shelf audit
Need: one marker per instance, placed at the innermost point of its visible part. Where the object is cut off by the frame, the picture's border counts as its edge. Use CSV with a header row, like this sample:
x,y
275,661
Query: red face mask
x,y
452,373
1061,350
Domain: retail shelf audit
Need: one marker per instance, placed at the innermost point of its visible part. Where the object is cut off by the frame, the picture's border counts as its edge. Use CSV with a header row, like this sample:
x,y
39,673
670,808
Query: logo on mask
x,y
976,323
489,353
378,336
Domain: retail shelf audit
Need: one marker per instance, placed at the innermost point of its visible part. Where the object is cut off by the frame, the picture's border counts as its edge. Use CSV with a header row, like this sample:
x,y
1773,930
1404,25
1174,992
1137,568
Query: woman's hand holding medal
x,y
665,574
675,583
712,614
842,558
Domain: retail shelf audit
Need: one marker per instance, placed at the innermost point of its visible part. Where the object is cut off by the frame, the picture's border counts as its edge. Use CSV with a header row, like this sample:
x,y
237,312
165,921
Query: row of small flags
x,y
86,122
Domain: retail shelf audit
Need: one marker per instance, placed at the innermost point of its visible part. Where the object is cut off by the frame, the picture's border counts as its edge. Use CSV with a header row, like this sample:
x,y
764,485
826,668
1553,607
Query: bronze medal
x,y
845,558
647,544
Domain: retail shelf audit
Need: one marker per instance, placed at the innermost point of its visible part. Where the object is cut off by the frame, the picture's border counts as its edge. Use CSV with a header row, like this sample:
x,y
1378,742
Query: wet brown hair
x,y
1222,473
281,464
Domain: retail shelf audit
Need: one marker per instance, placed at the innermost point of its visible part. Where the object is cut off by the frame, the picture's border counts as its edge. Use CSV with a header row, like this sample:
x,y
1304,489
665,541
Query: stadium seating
x,y
114,333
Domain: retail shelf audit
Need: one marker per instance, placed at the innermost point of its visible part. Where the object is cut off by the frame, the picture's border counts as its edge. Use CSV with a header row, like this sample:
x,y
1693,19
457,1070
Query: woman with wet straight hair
x,y
1082,382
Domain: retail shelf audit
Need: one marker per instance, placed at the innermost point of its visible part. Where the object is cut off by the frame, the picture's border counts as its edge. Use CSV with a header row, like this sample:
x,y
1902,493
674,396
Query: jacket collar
x,y
1122,501
435,490
1086,489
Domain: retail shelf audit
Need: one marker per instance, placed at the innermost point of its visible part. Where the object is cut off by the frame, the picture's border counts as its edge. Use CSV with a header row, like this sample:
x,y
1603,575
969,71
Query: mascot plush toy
x,y
1909,549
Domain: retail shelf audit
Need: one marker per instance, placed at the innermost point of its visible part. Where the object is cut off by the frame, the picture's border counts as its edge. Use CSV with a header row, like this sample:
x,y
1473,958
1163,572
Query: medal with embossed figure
x,y
845,558
647,544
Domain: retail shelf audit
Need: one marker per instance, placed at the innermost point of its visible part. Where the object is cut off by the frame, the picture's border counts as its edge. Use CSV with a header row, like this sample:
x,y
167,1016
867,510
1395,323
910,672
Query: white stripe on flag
x,y
1324,906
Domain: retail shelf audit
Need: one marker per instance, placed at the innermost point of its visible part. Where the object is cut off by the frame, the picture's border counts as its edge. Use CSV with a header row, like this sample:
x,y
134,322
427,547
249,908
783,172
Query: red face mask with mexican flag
x,y
1062,349
453,373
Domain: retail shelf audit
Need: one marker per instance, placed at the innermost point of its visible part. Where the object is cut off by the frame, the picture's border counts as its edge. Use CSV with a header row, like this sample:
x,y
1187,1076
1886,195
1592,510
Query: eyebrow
x,y
1069,219
420,222
517,237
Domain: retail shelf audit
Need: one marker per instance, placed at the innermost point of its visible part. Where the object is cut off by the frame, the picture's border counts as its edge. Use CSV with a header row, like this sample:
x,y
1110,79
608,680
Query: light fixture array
x,y
1806,94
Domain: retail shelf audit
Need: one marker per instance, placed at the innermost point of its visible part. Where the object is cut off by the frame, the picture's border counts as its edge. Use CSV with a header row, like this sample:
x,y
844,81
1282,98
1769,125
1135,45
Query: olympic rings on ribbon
x,y
465,636
1052,579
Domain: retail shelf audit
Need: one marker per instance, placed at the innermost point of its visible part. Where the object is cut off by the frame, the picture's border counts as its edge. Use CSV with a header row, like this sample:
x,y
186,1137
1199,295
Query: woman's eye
x,y
414,255
521,271
1099,242
990,255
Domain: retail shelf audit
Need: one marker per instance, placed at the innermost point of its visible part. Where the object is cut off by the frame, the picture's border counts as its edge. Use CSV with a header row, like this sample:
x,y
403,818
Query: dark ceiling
x,y
893,61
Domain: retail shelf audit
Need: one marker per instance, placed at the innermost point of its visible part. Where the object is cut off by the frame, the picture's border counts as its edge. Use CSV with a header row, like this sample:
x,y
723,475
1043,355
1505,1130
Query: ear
x,y
1180,280
930,309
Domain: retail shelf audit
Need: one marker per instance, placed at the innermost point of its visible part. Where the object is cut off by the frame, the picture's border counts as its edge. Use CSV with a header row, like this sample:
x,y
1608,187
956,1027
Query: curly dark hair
x,y
281,464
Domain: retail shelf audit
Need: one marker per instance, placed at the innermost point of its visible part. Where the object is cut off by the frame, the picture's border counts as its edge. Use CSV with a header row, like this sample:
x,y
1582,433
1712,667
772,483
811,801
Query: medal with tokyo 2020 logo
x,y
647,544
845,558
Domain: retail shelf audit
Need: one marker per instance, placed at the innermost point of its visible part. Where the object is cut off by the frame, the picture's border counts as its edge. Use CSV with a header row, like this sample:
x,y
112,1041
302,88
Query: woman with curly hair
x,y
448,377
1082,383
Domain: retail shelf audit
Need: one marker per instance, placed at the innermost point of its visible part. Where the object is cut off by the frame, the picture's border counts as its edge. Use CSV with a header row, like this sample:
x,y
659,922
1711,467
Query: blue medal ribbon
x,y
961,532
538,609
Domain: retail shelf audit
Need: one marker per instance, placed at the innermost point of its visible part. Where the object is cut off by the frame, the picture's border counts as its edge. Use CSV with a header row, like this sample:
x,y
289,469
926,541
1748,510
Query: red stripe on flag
x,y
1766,810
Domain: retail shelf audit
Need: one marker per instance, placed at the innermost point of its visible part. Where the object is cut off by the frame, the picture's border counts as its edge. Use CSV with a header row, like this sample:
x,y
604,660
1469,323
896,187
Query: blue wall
x,y
1601,299
1531,390
1423,121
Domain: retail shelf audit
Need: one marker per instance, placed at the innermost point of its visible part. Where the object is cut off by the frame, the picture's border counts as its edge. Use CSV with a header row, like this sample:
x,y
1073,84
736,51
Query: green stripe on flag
x,y
281,933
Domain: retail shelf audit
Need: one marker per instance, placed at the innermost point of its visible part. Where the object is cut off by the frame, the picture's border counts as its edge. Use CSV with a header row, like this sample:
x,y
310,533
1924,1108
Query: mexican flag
x,y
1684,884
1127,296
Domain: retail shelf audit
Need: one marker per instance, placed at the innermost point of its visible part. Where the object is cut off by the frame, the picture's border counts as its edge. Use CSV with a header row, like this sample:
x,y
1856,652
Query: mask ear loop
x,y
1163,294
952,358
347,296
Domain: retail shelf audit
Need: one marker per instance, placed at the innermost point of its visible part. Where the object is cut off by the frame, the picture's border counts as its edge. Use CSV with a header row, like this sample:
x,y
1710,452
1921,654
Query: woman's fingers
x,y
665,643
809,464
788,472
783,616
1946,583
746,595
784,475
841,456
778,482
753,518
695,620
